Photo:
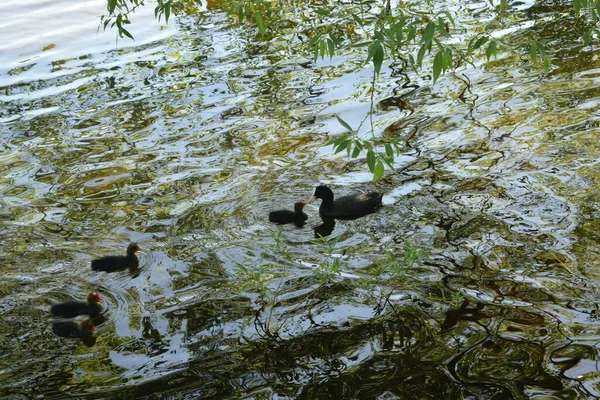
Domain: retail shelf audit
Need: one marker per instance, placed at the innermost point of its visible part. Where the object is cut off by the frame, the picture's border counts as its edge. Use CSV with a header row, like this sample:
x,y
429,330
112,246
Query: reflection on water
x,y
185,139
82,330
324,229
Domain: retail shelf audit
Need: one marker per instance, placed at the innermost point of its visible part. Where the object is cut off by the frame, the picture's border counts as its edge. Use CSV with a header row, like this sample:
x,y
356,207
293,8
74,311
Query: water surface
x,y
185,139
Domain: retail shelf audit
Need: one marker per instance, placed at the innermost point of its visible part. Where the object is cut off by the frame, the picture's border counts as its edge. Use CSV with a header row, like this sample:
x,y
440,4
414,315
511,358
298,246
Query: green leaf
x,y
111,5
344,123
480,42
412,33
362,44
541,49
389,151
546,61
126,33
428,33
167,11
587,35
421,55
447,57
342,146
262,27
241,12
322,11
387,161
372,49
441,27
378,58
379,170
371,160
358,20
449,17
356,151
437,66
491,49
337,140
396,32
330,47
533,52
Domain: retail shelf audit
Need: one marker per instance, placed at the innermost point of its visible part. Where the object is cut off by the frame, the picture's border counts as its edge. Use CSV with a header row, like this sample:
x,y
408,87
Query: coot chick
x,y
346,207
73,330
74,308
118,263
287,216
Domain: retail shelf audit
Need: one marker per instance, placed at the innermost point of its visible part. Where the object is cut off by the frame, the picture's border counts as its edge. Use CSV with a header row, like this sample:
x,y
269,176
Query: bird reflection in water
x,y
468,311
99,320
325,228
84,330
149,331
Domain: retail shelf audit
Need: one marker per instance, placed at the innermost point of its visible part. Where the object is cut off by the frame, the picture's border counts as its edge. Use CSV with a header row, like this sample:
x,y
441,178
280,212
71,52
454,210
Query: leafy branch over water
x,y
355,145
406,37
120,10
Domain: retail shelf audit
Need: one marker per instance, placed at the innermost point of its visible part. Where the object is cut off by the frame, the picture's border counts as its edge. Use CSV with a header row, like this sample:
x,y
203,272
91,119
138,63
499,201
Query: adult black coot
x,y
346,207
73,330
74,308
118,263
287,216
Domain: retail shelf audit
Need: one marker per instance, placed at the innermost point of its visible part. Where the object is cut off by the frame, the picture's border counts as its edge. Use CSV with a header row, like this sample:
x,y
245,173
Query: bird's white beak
x,y
312,198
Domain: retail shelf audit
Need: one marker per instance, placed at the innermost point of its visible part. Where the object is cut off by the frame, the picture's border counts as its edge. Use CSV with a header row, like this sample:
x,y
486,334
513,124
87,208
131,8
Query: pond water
x,y
185,139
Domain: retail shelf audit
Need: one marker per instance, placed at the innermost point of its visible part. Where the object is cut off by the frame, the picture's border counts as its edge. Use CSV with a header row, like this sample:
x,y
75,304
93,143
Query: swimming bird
x,y
118,263
287,216
74,308
346,207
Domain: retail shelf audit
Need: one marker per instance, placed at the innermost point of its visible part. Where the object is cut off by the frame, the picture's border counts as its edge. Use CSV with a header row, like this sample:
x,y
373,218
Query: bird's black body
x,y
74,308
118,263
115,263
347,207
287,216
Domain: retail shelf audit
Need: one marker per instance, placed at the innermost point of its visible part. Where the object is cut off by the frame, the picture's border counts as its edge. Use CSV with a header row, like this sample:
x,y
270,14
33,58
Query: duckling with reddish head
x,y
118,263
70,309
287,216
